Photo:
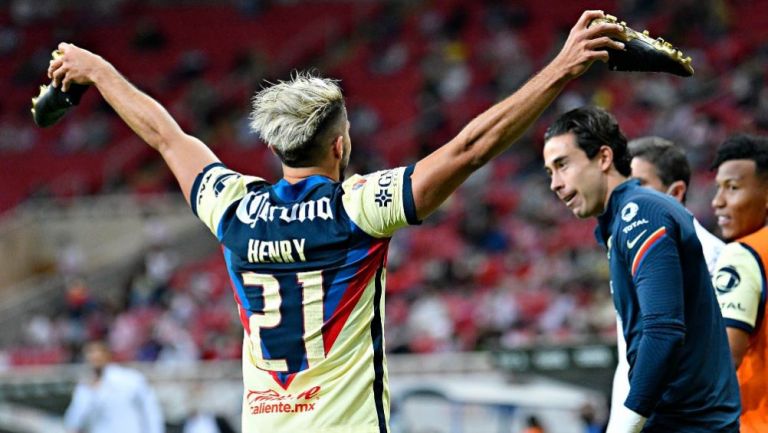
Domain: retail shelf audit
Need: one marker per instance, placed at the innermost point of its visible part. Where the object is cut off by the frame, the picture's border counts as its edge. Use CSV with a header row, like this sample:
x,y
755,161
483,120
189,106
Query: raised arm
x,y
439,174
185,155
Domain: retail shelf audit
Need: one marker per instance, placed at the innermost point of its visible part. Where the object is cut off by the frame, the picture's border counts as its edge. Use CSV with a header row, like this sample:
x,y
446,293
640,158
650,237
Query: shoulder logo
x,y
632,242
629,211
359,184
726,279
383,198
221,183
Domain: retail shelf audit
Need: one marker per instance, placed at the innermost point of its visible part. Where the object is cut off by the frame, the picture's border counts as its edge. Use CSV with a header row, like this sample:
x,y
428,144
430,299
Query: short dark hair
x,y
744,146
593,128
311,152
669,160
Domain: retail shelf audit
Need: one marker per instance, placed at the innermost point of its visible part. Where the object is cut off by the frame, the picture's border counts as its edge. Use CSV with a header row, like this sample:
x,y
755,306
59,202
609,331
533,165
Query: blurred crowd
x,y
501,264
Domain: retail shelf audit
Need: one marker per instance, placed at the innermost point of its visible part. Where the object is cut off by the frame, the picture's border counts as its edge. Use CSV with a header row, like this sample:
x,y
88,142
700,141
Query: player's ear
x,y
677,190
606,157
338,147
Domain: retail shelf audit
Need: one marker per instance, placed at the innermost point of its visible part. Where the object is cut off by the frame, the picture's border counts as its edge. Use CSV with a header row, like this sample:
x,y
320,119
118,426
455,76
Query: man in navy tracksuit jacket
x,y
681,375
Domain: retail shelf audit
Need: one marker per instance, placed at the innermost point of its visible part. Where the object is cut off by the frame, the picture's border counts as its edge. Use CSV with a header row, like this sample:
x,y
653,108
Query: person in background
x,y
681,376
307,255
203,421
661,165
113,399
533,425
741,207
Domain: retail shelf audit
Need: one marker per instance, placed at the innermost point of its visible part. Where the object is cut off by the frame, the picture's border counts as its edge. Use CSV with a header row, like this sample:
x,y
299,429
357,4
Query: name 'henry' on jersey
x,y
307,265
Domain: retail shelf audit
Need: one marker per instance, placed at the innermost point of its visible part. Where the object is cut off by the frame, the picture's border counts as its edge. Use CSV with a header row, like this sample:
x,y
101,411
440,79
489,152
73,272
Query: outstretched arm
x,y
439,174
185,155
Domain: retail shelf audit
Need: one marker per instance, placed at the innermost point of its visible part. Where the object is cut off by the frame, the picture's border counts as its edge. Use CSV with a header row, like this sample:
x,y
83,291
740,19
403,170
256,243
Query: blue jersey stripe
x,y
343,278
298,191
409,205
236,281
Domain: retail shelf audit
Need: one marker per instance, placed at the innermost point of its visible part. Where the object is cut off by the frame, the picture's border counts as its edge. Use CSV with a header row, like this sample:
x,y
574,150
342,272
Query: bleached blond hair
x,y
288,114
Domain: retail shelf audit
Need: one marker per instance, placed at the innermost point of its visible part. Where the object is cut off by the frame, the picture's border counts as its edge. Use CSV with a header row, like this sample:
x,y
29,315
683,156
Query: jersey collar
x,y
604,221
295,192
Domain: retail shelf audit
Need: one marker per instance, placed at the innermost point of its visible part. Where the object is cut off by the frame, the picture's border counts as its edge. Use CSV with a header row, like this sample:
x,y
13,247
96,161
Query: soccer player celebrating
x,y
741,206
307,255
661,165
680,374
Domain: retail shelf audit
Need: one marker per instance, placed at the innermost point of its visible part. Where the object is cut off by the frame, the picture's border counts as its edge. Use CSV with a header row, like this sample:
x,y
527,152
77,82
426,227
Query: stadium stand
x,y
414,73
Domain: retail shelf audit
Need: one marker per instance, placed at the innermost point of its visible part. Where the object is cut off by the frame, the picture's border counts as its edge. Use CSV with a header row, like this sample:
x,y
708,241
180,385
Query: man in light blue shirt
x,y
114,399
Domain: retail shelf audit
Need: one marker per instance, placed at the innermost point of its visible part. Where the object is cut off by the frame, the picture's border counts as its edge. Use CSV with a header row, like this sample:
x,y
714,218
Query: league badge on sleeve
x,y
726,279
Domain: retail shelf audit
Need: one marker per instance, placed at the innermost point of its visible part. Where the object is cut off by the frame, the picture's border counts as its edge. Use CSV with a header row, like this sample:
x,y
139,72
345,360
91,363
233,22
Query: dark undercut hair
x,y
594,128
668,159
310,153
744,146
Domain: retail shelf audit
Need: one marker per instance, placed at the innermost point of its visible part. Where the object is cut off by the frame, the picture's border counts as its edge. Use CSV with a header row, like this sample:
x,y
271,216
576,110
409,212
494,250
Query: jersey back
x,y
307,265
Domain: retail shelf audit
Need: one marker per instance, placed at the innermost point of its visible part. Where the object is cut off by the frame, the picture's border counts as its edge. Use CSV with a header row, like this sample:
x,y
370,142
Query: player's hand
x,y
587,44
73,64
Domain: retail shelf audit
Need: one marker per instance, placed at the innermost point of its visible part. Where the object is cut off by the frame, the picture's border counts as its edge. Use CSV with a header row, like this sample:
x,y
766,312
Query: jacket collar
x,y
605,221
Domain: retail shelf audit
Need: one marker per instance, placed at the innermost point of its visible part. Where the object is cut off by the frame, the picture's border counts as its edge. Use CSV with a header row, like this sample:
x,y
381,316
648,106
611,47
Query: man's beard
x,y
343,166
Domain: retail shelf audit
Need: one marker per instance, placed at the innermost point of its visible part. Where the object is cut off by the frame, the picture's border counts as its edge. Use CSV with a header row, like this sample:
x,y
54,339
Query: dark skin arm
x,y
738,340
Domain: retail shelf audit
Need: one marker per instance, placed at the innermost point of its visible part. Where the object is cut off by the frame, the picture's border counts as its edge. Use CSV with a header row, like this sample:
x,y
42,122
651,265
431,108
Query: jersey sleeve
x,y
738,283
649,245
215,189
381,202
711,245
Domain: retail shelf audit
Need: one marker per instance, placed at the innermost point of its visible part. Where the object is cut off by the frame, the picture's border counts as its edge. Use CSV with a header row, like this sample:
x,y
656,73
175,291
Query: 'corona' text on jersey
x,y
256,207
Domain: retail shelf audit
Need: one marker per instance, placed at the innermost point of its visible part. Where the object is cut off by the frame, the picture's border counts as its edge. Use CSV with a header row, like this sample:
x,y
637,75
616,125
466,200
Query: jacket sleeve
x,y
76,416
149,407
652,253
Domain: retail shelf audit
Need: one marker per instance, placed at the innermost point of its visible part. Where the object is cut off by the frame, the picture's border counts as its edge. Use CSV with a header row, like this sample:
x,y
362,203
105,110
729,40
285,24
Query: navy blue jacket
x,y
680,371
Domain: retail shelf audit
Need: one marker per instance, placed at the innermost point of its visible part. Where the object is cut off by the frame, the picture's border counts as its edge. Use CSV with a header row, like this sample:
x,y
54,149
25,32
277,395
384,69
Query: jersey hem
x,y
738,324
409,204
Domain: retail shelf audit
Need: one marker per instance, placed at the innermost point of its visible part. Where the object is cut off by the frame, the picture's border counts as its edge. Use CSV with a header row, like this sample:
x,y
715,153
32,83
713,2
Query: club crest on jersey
x,y
629,211
726,279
